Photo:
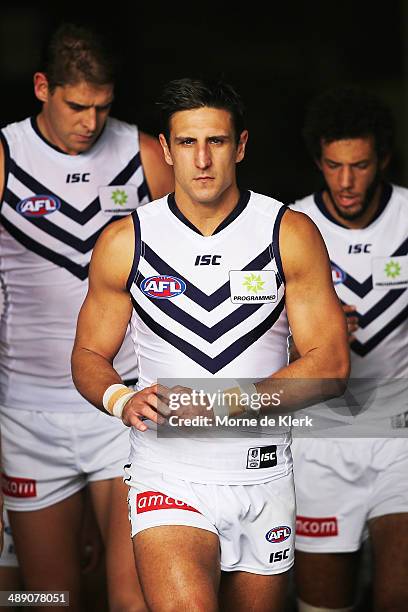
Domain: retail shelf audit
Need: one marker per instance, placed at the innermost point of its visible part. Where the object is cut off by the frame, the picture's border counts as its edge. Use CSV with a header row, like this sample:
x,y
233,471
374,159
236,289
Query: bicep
x,y
314,312
107,308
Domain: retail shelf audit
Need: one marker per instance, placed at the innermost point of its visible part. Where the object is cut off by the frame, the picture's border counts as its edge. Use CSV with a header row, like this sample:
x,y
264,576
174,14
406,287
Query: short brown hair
x,y
75,54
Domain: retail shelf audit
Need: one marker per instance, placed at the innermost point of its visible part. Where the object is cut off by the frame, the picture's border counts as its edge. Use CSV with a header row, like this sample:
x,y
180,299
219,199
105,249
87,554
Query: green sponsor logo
x,y
392,269
119,197
253,283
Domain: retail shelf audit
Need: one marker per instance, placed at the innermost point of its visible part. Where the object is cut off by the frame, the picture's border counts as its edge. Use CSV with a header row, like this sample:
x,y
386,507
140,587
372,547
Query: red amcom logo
x,y
316,527
19,487
153,500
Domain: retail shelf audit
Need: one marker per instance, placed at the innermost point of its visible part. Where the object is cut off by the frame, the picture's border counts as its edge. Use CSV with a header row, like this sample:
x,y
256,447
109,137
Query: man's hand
x,y
150,403
352,321
185,403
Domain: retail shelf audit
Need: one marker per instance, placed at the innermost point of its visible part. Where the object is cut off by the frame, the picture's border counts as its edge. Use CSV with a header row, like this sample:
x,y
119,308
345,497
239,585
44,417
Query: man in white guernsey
x,y
65,174
212,519
353,480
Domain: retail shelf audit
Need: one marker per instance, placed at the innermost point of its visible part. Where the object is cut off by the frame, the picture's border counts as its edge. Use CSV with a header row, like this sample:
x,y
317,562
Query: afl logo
x,y
278,534
163,287
338,276
38,206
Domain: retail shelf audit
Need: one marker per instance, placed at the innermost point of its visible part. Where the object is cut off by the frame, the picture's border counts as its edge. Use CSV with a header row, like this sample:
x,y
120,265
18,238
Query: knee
x,y
132,607
128,606
192,602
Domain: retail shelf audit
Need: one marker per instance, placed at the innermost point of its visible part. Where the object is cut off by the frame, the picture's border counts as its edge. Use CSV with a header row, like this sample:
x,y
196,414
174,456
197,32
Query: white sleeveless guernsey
x,y
370,271
208,307
53,209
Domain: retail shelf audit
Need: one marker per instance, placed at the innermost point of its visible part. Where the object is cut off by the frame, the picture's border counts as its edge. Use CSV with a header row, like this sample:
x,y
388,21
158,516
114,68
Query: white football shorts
x,y
343,483
48,457
255,523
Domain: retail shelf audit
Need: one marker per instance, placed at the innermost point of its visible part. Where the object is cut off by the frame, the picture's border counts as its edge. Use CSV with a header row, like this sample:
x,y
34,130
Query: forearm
x,y
315,377
92,375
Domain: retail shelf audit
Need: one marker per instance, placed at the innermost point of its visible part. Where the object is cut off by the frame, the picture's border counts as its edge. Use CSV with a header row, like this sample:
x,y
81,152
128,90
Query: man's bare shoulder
x,y
300,241
298,224
118,233
114,250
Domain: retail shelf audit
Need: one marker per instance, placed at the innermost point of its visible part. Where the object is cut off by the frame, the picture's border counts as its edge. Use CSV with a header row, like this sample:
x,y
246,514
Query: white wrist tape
x,y
249,389
115,399
233,406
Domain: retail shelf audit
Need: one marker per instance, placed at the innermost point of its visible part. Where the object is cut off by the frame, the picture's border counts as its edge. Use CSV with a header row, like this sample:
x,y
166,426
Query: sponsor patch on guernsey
x,y
19,487
253,287
38,206
390,272
163,287
316,527
154,500
118,200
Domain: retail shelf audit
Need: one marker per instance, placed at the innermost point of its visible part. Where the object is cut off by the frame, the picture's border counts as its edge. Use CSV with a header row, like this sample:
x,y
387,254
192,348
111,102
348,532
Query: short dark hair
x,y
76,54
188,94
348,112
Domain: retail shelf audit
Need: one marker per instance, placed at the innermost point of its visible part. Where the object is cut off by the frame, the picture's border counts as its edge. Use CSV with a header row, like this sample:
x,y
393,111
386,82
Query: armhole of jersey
x,y
145,183
6,151
138,248
275,242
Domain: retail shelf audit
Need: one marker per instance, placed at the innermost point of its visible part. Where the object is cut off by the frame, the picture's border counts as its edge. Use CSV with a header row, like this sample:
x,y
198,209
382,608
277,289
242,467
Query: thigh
x,y
331,496
47,545
179,567
389,538
327,579
244,592
109,498
31,480
256,524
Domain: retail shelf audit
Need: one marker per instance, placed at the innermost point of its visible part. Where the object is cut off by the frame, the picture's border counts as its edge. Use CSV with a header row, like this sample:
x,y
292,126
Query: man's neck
x,y
207,216
364,219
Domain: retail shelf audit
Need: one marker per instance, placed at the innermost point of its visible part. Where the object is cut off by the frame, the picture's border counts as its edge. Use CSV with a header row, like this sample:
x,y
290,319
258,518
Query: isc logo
x,y
163,287
359,248
38,206
278,534
279,555
207,260
77,177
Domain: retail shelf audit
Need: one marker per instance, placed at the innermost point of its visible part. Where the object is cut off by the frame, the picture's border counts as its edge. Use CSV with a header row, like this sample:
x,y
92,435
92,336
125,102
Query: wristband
x,y
115,398
233,406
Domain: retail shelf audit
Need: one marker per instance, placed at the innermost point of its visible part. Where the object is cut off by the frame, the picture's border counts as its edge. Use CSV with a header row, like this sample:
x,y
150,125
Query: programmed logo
x,y
38,206
163,287
338,275
278,534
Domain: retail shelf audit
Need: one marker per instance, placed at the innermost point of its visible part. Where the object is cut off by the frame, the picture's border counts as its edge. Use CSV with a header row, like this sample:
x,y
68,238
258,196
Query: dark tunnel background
x,y
278,57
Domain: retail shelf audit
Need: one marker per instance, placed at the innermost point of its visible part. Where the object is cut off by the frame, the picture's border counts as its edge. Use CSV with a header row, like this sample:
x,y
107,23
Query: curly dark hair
x,y
75,54
348,112
188,94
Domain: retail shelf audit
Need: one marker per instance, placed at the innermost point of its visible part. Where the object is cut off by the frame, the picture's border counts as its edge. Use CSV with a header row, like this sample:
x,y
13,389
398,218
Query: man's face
x,y
73,116
204,152
352,172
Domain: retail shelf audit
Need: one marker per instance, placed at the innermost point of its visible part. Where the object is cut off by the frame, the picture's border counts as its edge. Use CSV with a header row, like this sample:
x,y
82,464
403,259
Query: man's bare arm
x,y
103,321
159,174
315,316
